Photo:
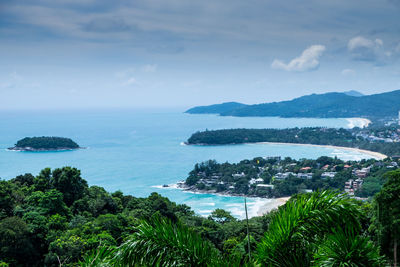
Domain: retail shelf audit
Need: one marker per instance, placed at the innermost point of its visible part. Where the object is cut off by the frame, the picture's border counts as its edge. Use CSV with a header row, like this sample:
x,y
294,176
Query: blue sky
x,y
177,53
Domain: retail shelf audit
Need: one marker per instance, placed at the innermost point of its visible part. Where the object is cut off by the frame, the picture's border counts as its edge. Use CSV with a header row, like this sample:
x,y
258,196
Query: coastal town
x,y
277,177
387,134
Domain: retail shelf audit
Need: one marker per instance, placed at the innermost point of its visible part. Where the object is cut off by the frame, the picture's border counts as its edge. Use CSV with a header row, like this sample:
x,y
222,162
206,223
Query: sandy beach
x,y
271,204
358,122
375,155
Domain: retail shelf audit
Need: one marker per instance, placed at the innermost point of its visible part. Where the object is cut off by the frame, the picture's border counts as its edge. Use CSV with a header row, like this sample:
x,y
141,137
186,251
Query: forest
x,y
308,135
56,219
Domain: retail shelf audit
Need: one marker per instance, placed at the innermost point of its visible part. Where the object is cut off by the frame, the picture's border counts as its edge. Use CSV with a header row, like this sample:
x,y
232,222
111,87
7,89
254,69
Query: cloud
x,y
106,25
364,49
397,49
166,49
150,68
130,81
308,60
348,72
12,80
125,73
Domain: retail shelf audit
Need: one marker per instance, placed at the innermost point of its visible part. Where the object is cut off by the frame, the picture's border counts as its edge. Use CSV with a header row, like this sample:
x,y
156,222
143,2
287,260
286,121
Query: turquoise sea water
x,y
136,151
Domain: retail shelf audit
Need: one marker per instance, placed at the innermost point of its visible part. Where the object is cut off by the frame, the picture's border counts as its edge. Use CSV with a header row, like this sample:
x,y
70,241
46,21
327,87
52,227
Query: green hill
x,y
216,109
329,105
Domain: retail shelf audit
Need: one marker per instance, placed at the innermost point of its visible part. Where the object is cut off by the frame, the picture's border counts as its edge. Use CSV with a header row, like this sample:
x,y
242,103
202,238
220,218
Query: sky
x,y
70,54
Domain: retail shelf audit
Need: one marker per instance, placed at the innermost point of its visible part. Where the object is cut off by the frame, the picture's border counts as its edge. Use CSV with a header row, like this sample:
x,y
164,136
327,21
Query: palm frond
x,y
100,257
298,225
163,243
346,248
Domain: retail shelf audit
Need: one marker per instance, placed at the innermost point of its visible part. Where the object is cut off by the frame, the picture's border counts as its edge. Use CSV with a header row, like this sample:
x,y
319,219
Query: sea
x,y
138,151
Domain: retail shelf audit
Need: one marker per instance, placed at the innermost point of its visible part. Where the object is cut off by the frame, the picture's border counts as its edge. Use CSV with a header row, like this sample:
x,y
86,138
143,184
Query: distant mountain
x,y
329,105
216,109
353,93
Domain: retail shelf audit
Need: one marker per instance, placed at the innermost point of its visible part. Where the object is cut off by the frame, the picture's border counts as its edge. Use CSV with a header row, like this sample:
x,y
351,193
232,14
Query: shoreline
x,y
260,207
269,206
375,155
358,122
22,149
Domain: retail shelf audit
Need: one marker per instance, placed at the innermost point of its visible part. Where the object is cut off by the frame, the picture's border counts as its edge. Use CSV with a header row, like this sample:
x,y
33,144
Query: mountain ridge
x,y
327,105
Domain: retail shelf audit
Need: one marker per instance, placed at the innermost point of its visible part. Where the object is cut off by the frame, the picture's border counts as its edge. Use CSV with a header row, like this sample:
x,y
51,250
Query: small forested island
x,y
275,177
385,139
45,143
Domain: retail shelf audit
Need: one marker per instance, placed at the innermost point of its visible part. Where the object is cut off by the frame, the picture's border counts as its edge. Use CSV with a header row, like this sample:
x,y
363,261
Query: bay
x,y
138,151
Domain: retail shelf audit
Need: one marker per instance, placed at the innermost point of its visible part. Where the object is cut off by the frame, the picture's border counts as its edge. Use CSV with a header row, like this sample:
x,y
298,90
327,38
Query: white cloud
x,y
360,41
365,49
348,72
150,68
130,81
12,80
125,73
308,60
15,76
397,50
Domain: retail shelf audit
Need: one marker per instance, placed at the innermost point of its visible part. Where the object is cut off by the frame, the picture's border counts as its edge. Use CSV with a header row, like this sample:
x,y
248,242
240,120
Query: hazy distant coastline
x,y
327,105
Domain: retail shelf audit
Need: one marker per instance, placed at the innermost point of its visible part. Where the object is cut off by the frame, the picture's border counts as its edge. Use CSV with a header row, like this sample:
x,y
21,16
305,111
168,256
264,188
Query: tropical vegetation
x,y
57,219
45,143
307,135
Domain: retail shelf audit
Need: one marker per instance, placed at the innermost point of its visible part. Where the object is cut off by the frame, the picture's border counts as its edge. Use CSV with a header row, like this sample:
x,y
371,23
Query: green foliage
x,y
162,243
312,135
65,249
298,226
42,181
15,244
68,181
46,142
99,257
346,248
97,201
55,219
59,219
48,203
7,202
370,187
308,135
221,216
386,222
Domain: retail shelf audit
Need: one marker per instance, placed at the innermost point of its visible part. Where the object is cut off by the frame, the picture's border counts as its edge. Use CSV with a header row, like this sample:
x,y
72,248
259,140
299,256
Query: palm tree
x,y
319,229
346,248
163,243
298,226
100,257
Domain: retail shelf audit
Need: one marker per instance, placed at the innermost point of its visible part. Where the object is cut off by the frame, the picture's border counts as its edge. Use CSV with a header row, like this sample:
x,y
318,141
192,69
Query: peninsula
x,y
384,140
45,143
274,177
